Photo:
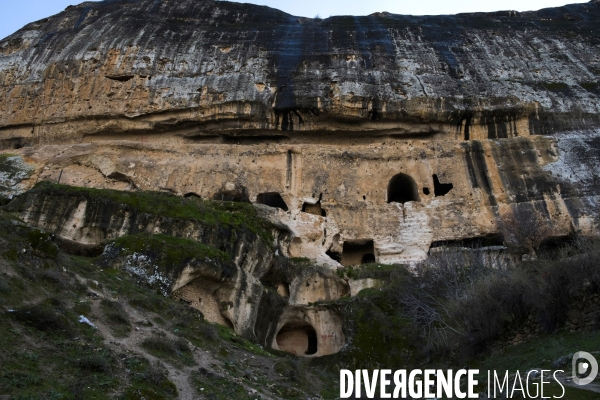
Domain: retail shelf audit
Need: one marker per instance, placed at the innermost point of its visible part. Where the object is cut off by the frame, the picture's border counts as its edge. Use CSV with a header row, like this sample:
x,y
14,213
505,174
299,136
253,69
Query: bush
x,y
209,332
95,363
160,344
52,276
115,312
155,375
152,303
4,285
44,318
181,345
41,243
467,299
11,254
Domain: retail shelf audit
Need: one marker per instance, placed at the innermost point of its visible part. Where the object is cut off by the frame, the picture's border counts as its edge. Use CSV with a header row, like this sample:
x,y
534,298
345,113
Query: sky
x,y
15,14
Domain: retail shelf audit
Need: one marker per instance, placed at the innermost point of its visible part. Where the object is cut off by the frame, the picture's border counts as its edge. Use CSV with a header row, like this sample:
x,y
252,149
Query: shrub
x,y
95,363
3,285
458,299
209,332
41,243
44,318
155,375
160,344
115,312
181,345
149,303
52,276
11,254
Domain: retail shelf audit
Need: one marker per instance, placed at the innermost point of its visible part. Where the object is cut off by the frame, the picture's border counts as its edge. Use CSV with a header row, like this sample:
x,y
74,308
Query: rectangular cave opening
x,y
358,252
477,242
315,209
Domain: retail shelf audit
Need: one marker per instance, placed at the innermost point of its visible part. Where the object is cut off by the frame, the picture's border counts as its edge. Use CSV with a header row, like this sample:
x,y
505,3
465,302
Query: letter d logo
x,y
589,366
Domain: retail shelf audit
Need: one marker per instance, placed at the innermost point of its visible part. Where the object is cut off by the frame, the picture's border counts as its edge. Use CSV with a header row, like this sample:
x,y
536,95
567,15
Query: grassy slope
x,y
146,346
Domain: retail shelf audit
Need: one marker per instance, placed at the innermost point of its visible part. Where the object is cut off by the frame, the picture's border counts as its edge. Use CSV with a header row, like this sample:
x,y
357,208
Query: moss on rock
x,y
209,212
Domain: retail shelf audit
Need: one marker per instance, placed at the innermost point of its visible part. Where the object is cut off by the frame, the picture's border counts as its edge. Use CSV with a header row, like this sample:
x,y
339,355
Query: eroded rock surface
x,y
360,139
373,137
191,68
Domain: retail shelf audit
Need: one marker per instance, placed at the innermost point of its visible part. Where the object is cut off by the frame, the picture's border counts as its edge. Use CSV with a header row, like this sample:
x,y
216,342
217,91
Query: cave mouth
x,y
441,189
402,188
368,258
237,196
272,199
315,209
357,252
298,338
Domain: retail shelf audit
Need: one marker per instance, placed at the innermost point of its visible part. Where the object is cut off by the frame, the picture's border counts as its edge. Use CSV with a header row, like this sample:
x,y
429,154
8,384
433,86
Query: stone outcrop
x,y
195,251
223,268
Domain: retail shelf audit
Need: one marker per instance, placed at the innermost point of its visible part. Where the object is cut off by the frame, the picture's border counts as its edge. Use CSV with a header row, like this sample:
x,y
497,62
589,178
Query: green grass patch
x,y
209,212
218,388
176,351
230,336
541,351
171,250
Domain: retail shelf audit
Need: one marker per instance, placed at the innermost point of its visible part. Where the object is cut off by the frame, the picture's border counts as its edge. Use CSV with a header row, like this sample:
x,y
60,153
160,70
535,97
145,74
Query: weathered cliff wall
x,y
114,67
374,137
219,257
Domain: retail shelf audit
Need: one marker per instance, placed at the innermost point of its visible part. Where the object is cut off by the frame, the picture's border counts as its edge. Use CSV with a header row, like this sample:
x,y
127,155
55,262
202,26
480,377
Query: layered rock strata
x,y
360,139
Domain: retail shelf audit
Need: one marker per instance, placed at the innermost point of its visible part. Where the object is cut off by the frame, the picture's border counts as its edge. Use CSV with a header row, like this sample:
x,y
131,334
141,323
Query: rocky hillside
x,y
76,327
283,176
161,313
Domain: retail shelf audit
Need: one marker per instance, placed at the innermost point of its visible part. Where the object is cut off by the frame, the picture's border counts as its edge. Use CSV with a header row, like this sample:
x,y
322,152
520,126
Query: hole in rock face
x,y
402,188
426,191
120,78
368,258
272,199
315,209
283,289
334,256
298,338
239,196
191,195
440,189
356,251
494,239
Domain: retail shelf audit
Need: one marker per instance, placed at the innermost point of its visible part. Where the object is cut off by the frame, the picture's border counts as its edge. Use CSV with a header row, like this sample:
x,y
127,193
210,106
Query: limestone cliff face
x,y
114,67
371,138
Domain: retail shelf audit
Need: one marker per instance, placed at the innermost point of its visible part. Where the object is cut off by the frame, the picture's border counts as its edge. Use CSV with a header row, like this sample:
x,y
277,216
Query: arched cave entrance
x,y
402,188
272,199
298,338
368,258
